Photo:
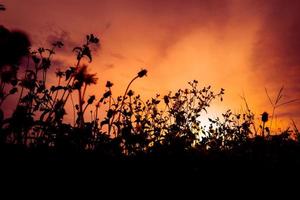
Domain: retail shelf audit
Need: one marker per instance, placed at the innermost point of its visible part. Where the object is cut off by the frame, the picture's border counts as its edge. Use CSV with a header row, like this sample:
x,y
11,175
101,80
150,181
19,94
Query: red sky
x,y
242,46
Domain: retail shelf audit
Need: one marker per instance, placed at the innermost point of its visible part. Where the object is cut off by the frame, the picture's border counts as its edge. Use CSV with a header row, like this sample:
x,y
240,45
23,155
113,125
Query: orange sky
x,y
242,46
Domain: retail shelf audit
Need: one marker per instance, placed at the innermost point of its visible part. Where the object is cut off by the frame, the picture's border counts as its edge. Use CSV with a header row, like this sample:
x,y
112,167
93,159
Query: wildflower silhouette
x,y
82,80
167,127
264,119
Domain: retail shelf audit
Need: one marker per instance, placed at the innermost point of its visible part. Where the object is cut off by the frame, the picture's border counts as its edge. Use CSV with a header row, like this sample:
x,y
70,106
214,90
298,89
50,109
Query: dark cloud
x,y
276,55
63,36
276,52
58,34
13,46
57,63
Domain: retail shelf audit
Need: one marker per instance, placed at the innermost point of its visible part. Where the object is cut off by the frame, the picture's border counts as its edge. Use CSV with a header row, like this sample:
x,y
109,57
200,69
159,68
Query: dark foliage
x,y
165,128
13,45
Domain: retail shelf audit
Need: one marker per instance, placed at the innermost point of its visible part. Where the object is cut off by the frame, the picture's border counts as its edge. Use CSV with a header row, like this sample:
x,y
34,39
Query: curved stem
x,y
62,97
74,114
122,104
123,99
56,94
80,114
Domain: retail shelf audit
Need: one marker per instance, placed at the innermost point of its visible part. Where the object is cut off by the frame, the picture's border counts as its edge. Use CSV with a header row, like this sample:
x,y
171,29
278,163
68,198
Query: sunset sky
x,y
240,45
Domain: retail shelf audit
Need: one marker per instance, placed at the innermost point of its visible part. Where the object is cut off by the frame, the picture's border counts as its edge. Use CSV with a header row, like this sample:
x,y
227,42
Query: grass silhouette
x,y
165,128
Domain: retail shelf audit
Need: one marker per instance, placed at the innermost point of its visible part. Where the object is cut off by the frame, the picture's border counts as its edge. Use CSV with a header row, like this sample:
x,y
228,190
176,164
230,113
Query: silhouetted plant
x,y
119,126
13,46
264,119
278,102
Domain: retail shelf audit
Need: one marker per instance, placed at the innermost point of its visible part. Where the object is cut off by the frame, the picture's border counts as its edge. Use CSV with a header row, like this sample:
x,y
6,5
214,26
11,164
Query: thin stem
x,y
263,130
271,122
123,99
62,97
122,104
73,106
80,114
56,94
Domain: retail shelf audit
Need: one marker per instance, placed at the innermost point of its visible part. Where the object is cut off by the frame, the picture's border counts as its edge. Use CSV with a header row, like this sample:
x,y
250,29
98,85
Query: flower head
x,y
264,117
83,76
142,73
109,84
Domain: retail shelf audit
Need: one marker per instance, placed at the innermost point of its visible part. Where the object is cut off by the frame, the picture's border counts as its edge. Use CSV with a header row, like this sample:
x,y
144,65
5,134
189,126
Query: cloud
x,y
278,45
63,36
276,53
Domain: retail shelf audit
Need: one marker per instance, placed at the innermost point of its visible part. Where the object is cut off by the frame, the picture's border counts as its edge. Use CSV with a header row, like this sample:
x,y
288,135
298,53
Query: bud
x,y
264,117
142,73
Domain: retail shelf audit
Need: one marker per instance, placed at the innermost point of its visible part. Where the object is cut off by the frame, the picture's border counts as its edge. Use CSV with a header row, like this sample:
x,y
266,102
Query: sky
x,y
242,46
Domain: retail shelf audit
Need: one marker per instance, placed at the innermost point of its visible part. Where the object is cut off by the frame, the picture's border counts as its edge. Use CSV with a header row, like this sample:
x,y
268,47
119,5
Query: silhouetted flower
x,y
90,79
46,63
264,117
109,84
130,93
91,99
92,39
83,76
142,73
35,59
166,99
59,73
58,44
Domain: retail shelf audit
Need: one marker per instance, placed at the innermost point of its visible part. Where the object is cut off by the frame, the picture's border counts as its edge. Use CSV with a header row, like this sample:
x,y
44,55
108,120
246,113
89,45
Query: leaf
x,y
110,113
35,59
46,63
105,121
91,99
59,44
41,50
69,72
166,99
107,94
87,52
